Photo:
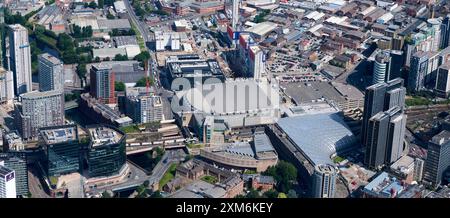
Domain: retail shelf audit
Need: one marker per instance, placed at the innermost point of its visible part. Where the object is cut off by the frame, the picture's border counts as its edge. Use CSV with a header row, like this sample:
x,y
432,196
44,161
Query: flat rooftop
x,y
441,138
307,92
263,28
59,135
103,135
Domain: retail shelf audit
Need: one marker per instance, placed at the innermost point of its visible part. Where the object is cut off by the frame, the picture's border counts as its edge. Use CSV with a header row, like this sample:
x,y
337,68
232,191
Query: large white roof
x,y
318,135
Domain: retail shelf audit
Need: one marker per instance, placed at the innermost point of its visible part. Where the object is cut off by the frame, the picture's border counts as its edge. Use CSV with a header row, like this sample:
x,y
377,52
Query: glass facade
x,y
62,149
63,158
106,160
106,153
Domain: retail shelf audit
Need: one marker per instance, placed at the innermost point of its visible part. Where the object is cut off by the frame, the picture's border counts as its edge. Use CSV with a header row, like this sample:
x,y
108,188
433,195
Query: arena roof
x,y
318,136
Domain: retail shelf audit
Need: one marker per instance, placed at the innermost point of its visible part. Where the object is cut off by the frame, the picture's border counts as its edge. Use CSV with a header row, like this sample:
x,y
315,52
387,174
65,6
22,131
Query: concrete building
x,y
142,107
102,84
6,87
7,182
12,142
418,169
50,73
324,181
119,6
438,159
257,155
20,58
384,123
381,67
167,39
383,186
192,67
418,71
17,161
128,72
37,110
252,57
435,24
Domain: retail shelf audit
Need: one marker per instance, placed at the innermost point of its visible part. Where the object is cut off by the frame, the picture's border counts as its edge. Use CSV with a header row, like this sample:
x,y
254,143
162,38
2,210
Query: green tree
x,y
119,86
64,42
143,56
120,57
77,31
143,82
70,57
271,194
81,70
284,173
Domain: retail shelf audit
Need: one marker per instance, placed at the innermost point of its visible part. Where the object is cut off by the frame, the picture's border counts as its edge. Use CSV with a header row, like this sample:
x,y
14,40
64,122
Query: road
x,y
141,27
34,184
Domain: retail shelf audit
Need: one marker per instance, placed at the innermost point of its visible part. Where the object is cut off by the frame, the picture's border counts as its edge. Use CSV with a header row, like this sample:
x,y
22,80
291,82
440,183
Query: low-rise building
x,y
257,155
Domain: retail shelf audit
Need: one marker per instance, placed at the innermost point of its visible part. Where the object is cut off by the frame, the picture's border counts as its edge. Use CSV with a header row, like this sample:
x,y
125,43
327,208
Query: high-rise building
x,y
20,58
380,97
442,87
435,24
106,152
51,75
385,134
143,107
7,182
438,158
257,62
397,63
102,85
235,14
445,32
17,161
324,181
252,57
381,67
37,110
6,86
384,123
418,71
62,148
418,169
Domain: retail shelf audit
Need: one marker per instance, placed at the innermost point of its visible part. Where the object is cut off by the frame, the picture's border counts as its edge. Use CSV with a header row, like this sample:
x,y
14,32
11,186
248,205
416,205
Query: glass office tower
x,y
106,153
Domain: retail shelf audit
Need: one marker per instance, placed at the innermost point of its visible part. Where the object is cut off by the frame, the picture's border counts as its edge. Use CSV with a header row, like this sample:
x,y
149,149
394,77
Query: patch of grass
x,y
130,129
417,100
168,175
250,172
338,159
192,145
53,180
209,179
139,37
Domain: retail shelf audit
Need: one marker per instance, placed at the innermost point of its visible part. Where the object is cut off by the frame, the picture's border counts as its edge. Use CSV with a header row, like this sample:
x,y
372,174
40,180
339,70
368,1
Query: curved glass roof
x,y
319,135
